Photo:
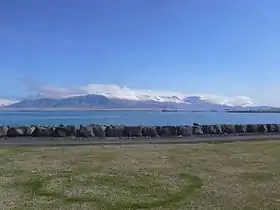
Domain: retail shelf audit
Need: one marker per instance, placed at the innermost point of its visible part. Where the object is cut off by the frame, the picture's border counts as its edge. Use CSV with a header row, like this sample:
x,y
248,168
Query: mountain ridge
x,y
102,102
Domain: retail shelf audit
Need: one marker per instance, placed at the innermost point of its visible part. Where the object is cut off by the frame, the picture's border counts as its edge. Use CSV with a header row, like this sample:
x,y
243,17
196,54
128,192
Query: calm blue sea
x,y
132,117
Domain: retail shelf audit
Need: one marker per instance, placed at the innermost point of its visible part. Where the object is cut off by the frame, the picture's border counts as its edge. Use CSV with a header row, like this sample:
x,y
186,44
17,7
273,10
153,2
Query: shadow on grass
x,y
34,186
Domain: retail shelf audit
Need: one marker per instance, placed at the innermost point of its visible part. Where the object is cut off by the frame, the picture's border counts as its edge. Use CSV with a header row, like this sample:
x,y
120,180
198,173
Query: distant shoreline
x,y
75,109
127,109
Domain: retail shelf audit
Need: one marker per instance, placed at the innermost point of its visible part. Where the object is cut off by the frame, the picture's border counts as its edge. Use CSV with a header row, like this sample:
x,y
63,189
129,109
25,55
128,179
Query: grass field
x,y
201,176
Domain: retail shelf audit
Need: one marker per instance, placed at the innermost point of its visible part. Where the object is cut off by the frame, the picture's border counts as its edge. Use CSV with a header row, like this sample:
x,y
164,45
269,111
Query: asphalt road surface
x,y
24,141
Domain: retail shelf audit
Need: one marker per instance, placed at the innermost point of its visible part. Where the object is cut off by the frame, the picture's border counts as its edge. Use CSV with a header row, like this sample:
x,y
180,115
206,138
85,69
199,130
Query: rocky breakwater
x,y
121,131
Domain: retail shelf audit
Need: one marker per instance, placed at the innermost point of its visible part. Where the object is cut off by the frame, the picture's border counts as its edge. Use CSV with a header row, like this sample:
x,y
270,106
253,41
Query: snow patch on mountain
x,y
6,102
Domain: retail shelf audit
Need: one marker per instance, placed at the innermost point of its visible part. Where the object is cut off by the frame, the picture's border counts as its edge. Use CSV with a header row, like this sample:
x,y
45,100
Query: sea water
x,y
77,117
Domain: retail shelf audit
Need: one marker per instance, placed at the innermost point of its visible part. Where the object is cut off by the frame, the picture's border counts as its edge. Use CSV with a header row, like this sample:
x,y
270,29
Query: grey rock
x,y
114,131
3,131
99,130
239,128
132,131
42,131
29,130
17,131
278,128
262,128
159,130
85,131
166,130
228,128
184,130
149,131
205,129
217,129
251,128
197,130
272,128
64,131
211,129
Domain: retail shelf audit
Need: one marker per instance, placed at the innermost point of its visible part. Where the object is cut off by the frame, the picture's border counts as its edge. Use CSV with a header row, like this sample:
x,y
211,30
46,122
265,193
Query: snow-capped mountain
x,y
101,101
113,96
112,91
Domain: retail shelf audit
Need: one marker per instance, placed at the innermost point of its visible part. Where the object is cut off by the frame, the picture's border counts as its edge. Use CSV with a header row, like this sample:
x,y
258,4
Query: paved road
x,y
22,141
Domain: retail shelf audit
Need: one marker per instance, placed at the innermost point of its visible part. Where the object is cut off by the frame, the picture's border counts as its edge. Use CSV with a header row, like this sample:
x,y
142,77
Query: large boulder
x,y
197,130
217,129
251,128
262,128
240,128
229,129
166,130
211,129
159,130
84,131
17,131
64,131
43,131
205,129
3,131
273,128
278,127
114,131
132,131
184,130
149,131
29,130
99,130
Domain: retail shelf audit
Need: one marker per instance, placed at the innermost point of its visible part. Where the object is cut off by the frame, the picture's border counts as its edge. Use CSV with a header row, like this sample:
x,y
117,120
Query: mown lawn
x,y
201,176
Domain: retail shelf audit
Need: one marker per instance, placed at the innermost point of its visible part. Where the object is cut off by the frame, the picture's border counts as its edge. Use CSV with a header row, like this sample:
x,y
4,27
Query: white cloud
x,y
231,101
115,91
56,92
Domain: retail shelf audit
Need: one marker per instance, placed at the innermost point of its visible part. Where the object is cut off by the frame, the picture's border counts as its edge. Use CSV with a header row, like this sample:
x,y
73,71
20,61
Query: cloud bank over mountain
x,y
117,92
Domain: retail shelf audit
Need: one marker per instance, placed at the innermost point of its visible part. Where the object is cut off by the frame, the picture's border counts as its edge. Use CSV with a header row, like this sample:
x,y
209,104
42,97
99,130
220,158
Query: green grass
x,y
203,176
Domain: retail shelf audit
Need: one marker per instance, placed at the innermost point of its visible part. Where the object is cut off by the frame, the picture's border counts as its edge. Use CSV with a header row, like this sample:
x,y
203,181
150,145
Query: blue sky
x,y
219,47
